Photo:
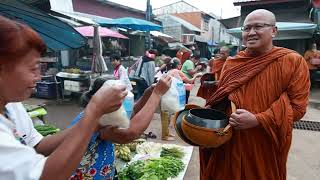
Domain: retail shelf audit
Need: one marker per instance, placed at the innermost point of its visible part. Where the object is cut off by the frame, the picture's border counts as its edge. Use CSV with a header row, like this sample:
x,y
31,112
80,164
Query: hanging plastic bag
x,y
119,117
174,99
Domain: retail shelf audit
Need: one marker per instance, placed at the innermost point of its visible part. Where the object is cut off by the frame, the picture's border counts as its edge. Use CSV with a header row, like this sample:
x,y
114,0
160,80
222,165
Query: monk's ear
x,y
274,31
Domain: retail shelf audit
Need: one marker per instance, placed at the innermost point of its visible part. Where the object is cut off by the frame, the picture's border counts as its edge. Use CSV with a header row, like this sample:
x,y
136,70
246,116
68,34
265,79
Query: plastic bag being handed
x,y
119,117
174,99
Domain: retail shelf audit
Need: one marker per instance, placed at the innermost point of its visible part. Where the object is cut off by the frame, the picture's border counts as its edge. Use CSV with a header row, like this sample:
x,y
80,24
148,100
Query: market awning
x,y
56,34
88,31
130,23
75,17
163,37
286,30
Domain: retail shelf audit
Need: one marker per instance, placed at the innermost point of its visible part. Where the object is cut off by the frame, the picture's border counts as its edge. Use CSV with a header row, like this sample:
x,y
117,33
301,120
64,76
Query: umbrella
x,y
98,63
88,31
130,23
56,34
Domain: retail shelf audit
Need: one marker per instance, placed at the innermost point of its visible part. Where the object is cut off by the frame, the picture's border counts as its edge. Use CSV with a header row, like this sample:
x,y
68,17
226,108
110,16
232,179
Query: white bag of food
x,y
174,99
117,118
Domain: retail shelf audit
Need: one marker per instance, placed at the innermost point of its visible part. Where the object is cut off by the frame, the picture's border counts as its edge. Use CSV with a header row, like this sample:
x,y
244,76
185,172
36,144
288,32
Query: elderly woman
x,y
24,154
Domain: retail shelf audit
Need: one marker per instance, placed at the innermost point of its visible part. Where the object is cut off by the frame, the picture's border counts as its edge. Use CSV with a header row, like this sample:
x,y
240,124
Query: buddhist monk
x,y
218,63
216,66
270,87
312,56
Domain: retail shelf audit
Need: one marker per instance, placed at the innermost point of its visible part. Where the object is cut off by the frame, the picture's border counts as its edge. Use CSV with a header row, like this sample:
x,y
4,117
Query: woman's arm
x,y
66,157
141,120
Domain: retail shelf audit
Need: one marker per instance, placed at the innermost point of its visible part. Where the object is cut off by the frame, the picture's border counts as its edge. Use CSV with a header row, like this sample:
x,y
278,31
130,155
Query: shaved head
x,y
224,48
265,14
224,52
259,29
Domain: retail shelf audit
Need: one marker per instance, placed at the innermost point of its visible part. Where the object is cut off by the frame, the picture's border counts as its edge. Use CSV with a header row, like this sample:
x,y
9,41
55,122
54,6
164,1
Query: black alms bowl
x,y
207,118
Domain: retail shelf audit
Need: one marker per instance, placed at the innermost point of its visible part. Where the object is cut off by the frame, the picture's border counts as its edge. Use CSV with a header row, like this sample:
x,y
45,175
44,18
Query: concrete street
x,y
304,159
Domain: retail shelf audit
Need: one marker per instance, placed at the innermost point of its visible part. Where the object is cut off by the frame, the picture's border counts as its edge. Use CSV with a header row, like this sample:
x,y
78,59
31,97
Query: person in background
x,y
190,70
146,67
119,71
99,159
165,116
183,54
270,88
145,72
167,64
215,70
312,56
217,63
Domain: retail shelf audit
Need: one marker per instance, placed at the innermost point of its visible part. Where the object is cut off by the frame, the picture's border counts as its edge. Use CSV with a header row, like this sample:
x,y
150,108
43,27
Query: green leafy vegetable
x,y
152,169
172,152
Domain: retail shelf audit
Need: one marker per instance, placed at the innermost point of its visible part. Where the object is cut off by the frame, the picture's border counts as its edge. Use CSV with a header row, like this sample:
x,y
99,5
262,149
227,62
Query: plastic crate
x,y
46,90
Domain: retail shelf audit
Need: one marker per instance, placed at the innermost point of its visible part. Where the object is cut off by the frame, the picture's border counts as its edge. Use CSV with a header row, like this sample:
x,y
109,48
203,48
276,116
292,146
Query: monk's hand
x,y
243,119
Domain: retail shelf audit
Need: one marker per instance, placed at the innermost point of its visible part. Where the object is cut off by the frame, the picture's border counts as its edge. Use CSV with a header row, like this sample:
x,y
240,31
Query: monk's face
x,y
224,53
258,31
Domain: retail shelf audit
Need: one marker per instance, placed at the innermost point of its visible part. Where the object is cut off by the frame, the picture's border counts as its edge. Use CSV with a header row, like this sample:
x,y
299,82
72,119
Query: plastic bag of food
x,y
119,117
174,99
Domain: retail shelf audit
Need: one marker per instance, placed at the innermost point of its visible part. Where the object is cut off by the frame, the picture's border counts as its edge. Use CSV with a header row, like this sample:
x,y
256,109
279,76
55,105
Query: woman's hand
x,y
107,99
162,86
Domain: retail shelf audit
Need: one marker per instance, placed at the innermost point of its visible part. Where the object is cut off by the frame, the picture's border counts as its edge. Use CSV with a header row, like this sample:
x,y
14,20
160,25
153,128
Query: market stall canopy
x,y
88,31
73,16
56,34
130,23
163,37
176,46
157,33
286,30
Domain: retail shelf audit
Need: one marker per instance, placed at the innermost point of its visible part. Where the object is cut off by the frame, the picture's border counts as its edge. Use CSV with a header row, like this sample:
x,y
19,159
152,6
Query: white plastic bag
x,y
174,99
117,118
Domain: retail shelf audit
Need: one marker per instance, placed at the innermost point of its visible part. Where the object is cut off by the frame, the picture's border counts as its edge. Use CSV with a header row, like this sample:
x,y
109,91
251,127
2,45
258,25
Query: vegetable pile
x,y
46,130
152,169
125,151
172,152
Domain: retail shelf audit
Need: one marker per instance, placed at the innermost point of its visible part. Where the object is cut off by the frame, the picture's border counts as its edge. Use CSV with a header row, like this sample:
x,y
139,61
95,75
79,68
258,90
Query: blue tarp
x,y
56,34
130,23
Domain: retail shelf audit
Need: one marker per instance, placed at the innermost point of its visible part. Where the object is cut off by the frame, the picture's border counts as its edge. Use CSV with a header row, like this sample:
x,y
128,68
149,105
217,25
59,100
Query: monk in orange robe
x,y
215,66
270,88
312,54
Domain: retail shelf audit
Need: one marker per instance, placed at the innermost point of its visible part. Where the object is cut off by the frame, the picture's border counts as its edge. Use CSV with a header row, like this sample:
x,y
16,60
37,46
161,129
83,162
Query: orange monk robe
x,y
278,95
308,55
216,66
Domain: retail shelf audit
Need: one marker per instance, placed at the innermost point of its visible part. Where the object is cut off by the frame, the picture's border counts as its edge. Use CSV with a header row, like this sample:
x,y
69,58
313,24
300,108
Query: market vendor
x,y
120,71
24,154
100,151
